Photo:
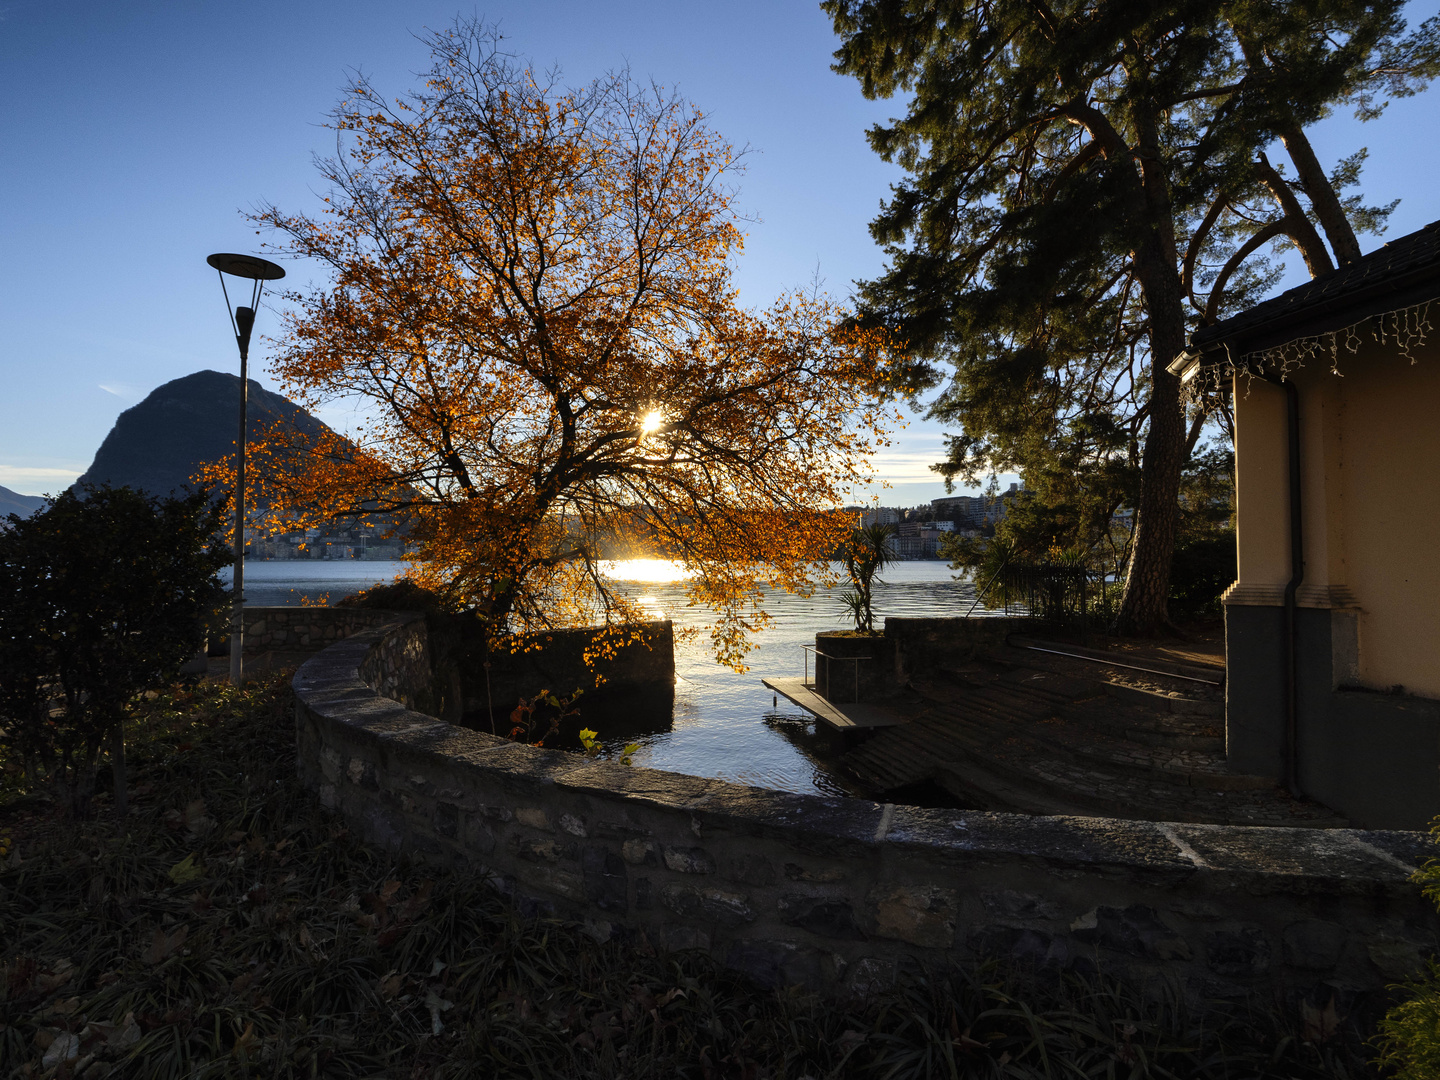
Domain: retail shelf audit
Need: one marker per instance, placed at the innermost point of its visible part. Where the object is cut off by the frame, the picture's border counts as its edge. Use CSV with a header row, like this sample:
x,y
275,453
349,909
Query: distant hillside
x,y
158,445
12,502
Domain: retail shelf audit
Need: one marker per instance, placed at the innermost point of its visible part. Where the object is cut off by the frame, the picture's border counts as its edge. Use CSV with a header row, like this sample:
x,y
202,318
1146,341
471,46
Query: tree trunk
x,y
1144,604
117,767
1322,195
1297,225
1312,179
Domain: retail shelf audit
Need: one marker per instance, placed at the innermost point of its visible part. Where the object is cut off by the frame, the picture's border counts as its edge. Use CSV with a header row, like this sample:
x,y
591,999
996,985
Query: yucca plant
x,y
867,552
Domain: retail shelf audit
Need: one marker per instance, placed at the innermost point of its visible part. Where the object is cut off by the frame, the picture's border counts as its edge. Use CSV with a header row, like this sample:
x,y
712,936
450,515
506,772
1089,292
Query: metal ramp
x,y
843,716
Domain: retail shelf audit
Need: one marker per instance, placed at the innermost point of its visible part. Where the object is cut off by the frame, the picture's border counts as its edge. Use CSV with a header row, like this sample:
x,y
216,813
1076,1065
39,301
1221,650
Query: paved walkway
x,y
1035,732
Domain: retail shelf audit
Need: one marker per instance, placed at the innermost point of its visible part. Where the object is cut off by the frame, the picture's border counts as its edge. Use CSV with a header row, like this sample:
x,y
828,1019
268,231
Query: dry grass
x,y
235,929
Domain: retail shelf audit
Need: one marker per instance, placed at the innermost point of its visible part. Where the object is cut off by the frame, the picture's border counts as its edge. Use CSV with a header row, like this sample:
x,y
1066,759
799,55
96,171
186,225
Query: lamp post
x,y
242,321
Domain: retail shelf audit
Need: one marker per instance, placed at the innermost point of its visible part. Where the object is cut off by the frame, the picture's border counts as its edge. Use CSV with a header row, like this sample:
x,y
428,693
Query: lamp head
x,y
257,271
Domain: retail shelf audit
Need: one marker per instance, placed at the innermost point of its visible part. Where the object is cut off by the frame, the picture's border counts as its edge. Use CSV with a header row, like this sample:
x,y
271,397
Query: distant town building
x,y
973,512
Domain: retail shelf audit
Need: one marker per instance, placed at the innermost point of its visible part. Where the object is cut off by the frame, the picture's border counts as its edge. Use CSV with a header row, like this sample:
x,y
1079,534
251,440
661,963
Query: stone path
x,y
1020,730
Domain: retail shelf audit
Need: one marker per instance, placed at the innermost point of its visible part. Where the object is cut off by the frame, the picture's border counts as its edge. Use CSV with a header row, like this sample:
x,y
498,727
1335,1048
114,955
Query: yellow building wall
x,y
1370,481
1389,470
1262,492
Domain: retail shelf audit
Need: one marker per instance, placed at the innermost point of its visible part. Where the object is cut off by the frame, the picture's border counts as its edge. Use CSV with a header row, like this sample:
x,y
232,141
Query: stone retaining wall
x,y
840,894
288,629
635,673
919,644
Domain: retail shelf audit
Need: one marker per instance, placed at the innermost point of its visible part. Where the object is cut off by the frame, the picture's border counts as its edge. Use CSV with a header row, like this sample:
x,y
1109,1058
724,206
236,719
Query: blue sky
x,y
136,131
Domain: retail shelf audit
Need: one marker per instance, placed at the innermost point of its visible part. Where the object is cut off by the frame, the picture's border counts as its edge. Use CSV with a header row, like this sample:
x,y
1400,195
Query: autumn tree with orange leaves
x,y
531,297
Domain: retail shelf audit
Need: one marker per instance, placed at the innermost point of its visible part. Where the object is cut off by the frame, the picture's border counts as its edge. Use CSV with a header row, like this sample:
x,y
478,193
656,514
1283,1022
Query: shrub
x,y
102,596
1409,1038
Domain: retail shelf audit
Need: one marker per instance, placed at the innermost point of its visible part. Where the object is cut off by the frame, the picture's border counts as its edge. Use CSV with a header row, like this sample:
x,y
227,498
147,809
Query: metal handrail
x,y
828,656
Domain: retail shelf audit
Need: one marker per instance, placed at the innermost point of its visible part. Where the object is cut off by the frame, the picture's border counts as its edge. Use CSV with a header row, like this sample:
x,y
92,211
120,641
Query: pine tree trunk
x,y
1297,225
1144,604
1322,195
117,766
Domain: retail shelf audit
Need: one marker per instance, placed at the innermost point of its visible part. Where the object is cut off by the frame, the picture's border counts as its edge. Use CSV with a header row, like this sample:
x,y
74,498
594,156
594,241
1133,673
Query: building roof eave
x,y
1400,275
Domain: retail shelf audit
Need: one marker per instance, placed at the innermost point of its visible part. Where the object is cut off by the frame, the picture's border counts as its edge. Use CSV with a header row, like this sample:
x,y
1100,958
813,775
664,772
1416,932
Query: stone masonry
x,y
298,629
841,894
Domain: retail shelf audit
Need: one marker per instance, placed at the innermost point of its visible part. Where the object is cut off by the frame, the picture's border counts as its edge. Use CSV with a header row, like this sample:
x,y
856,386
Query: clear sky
x,y
134,132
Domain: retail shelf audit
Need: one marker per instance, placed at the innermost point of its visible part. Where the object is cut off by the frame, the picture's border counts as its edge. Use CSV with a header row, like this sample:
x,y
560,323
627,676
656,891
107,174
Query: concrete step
x,y
1208,674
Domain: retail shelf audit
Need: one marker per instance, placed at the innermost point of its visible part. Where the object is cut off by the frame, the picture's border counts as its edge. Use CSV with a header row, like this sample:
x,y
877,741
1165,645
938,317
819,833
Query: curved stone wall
x,y
294,629
839,894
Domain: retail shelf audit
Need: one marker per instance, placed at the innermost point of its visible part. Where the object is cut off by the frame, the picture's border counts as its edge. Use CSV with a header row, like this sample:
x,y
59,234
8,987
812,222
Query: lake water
x,y
726,725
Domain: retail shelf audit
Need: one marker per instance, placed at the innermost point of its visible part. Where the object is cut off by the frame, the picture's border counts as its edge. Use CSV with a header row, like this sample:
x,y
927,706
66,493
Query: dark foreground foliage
x,y
238,930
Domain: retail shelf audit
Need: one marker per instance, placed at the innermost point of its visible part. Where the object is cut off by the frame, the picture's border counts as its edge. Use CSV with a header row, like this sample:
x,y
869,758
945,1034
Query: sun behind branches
x,y
531,298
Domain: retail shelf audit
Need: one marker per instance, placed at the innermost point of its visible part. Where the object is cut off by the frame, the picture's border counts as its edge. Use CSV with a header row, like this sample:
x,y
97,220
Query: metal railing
x,y
825,693
1060,599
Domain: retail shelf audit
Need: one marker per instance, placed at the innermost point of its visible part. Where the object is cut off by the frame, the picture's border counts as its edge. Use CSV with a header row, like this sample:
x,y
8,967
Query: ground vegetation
x,y
1088,182
1409,1037
236,929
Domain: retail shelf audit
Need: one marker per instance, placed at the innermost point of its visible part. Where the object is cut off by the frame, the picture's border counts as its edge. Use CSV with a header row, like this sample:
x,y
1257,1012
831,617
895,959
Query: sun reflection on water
x,y
648,571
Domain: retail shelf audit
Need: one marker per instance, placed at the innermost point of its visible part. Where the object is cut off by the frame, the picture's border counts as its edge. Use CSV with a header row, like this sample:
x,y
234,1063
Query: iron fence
x,y
1063,600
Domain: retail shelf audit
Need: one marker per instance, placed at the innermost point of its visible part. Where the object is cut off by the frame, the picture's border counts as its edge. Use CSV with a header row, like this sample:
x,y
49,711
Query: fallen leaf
x,y
119,1036
242,982
849,1041
49,982
1320,1024
246,1044
66,1047
186,871
436,1004
197,821
163,945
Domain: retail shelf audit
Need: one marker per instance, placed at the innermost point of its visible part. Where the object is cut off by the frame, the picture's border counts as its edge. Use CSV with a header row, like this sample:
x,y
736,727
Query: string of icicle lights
x,y
1405,328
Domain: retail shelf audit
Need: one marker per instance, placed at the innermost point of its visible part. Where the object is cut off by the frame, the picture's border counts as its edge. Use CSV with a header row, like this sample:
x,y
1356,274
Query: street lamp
x,y
242,321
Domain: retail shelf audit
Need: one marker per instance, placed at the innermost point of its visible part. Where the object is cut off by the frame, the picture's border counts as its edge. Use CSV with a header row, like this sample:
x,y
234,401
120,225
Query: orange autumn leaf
x,y
531,299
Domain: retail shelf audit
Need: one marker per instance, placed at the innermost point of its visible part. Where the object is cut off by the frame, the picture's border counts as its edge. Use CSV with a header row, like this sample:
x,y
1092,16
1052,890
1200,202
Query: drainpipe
x,y
1297,575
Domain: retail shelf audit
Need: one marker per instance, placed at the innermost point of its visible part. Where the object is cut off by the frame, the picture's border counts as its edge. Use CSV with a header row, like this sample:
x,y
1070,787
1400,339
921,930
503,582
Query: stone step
x,y
1050,785
974,725
1015,731
1025,779
1125,718
1153,741
1165,693
1207,674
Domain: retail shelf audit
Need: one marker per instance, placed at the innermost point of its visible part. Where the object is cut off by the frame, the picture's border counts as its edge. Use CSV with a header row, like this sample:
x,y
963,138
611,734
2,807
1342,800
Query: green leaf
x,y
186,870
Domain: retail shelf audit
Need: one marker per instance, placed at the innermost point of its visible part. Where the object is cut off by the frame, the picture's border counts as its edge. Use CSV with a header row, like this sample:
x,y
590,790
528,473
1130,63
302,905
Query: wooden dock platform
x,y
843,716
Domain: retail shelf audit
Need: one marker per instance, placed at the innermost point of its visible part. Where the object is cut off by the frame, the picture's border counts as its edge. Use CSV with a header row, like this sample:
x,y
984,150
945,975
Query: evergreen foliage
x,y
866,553
1409,1037
1088,182
103,595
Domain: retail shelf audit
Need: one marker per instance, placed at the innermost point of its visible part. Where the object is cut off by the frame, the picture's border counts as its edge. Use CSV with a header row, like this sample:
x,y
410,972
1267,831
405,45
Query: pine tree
x,y
1088,182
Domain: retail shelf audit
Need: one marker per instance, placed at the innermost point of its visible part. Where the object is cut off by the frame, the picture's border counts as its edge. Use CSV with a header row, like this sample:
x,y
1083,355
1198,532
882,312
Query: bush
x,y
1204,567
102,596
1409,1038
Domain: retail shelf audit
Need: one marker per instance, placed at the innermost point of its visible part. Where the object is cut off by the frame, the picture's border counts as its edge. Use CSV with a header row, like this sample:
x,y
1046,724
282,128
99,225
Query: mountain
x,y
12,502
158,445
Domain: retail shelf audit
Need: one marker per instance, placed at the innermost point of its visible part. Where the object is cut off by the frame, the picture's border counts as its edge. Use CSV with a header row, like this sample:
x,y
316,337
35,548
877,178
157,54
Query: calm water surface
x,y
726,725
